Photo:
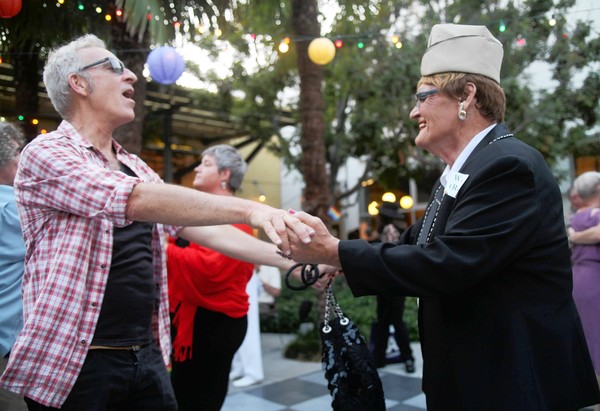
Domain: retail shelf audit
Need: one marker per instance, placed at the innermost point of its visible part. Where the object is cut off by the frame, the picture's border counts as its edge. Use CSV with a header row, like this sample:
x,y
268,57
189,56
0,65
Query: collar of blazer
x,y
499,132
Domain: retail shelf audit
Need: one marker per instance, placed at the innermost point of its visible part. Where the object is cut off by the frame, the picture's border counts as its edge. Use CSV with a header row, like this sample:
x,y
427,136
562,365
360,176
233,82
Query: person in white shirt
x,y
263,288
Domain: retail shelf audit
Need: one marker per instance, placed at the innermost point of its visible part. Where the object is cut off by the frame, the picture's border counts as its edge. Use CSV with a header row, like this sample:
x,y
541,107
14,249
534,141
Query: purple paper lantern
x,y
165,64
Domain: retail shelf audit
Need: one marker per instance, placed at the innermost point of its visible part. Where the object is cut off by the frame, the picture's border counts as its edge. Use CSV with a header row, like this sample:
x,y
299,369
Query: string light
x,y
502,26
284,46
406,202
388,197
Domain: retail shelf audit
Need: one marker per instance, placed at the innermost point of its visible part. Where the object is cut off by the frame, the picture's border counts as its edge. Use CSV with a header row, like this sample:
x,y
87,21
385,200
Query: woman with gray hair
x,y
586,264
207,296
489,258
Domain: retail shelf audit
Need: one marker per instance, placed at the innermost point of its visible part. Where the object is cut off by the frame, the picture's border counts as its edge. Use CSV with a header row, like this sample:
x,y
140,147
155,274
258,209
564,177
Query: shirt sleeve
x,y
60,175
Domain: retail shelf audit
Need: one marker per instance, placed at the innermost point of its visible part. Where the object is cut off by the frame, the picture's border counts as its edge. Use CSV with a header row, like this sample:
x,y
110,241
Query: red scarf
x,y
201,277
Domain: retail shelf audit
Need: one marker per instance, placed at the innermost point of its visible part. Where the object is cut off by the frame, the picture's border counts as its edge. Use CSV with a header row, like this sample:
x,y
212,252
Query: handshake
x,y
307,240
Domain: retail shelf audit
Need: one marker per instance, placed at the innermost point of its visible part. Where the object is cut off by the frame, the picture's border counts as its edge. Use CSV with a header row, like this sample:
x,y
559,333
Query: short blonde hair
x,y
491,101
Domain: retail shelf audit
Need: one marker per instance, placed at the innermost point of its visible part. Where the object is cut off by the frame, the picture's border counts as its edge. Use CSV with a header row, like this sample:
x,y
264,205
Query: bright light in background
x,y
373,208
406,202
388,197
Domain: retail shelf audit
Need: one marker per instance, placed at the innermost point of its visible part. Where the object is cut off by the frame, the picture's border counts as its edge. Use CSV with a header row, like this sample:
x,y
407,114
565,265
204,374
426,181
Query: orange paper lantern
x,y
10,8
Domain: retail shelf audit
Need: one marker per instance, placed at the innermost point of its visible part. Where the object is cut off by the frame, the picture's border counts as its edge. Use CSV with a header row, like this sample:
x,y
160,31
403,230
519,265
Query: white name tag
x,y
454,183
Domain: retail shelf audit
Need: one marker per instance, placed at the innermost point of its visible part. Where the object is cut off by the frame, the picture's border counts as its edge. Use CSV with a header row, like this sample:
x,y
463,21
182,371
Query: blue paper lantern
x,y
165,64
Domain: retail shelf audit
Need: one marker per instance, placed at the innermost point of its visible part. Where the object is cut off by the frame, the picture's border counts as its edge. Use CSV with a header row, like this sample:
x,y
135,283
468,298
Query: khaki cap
x,y
462,48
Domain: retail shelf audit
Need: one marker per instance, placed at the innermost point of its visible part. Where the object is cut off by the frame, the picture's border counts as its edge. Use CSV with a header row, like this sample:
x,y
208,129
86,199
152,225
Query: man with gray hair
x,y
12,253
95,302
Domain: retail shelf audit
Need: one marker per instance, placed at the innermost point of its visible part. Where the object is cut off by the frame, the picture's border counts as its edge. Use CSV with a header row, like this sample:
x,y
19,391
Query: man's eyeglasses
x,y
116,65
422,96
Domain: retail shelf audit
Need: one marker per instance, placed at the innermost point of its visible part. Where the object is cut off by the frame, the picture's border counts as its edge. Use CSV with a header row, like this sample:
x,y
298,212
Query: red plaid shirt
x,y
69,200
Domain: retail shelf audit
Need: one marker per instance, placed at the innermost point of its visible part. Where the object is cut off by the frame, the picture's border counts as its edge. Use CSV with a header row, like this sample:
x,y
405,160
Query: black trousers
x,y
201,383
113,380
390,310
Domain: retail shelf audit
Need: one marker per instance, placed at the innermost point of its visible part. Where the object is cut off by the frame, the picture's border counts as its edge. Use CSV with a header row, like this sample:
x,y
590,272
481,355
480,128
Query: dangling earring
x,y
462,114
224,185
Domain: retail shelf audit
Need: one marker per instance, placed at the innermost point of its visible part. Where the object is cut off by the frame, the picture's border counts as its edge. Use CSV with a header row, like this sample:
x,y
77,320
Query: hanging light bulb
x,y
284,45
552,21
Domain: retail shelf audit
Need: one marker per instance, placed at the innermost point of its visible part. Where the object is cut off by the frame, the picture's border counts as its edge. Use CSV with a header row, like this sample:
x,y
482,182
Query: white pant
x,y
247,361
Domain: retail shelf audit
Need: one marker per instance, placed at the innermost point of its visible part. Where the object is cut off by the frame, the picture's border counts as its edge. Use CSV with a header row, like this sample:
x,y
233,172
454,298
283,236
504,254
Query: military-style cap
x,y
462,48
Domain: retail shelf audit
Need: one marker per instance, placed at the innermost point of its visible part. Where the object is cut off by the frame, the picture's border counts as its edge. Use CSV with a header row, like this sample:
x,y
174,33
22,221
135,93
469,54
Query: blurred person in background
x,y
207,295
263,289
390,307
586,264
12,255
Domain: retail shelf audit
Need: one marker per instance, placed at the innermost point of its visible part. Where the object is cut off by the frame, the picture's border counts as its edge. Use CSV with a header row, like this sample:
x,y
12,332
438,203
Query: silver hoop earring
x,y
223,185
462,114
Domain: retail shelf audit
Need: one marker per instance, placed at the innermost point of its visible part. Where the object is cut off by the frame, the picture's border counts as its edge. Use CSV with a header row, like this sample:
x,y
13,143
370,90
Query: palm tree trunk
x,y
312,164
306,25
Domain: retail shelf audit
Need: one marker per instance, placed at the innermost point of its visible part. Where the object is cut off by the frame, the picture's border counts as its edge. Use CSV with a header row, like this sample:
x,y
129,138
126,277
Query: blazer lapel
x,y
447,204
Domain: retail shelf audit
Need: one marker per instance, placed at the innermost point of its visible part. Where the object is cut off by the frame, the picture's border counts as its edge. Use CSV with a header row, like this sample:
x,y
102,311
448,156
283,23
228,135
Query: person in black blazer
x,y
489,260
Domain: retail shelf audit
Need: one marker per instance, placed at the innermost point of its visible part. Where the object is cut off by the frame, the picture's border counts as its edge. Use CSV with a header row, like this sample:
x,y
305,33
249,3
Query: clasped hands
x,y
321,247
300,237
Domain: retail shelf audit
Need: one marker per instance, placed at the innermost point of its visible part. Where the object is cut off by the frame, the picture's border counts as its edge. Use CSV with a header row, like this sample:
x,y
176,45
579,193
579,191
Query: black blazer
x,y
498,326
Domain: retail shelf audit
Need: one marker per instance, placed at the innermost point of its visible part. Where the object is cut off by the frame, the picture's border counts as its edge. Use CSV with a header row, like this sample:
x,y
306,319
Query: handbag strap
x,y
331,304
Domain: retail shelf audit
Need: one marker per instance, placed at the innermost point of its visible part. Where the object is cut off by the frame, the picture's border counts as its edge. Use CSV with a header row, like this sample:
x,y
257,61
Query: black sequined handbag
x,y
351,376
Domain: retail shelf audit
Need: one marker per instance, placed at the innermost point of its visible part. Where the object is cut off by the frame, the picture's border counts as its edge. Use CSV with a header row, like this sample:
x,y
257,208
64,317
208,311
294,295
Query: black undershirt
x,y
131,294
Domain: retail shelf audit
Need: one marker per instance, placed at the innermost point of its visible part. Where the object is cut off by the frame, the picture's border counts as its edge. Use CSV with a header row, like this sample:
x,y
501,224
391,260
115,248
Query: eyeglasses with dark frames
x,y
422,96
116,65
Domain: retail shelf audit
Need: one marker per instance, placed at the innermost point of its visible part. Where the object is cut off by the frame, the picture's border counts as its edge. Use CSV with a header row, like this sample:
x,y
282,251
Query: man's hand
x,y
278,225
323,247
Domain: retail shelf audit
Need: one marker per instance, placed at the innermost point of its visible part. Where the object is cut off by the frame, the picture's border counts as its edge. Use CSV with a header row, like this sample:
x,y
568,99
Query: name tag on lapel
x,y
454,183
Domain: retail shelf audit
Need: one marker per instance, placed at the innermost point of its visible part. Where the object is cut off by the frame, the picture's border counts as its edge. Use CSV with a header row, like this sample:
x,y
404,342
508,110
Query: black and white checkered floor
x,y
301,386
309,393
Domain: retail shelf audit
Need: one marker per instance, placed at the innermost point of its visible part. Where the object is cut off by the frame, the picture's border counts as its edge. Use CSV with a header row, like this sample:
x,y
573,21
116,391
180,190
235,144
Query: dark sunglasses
x,y
422,96
116,65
